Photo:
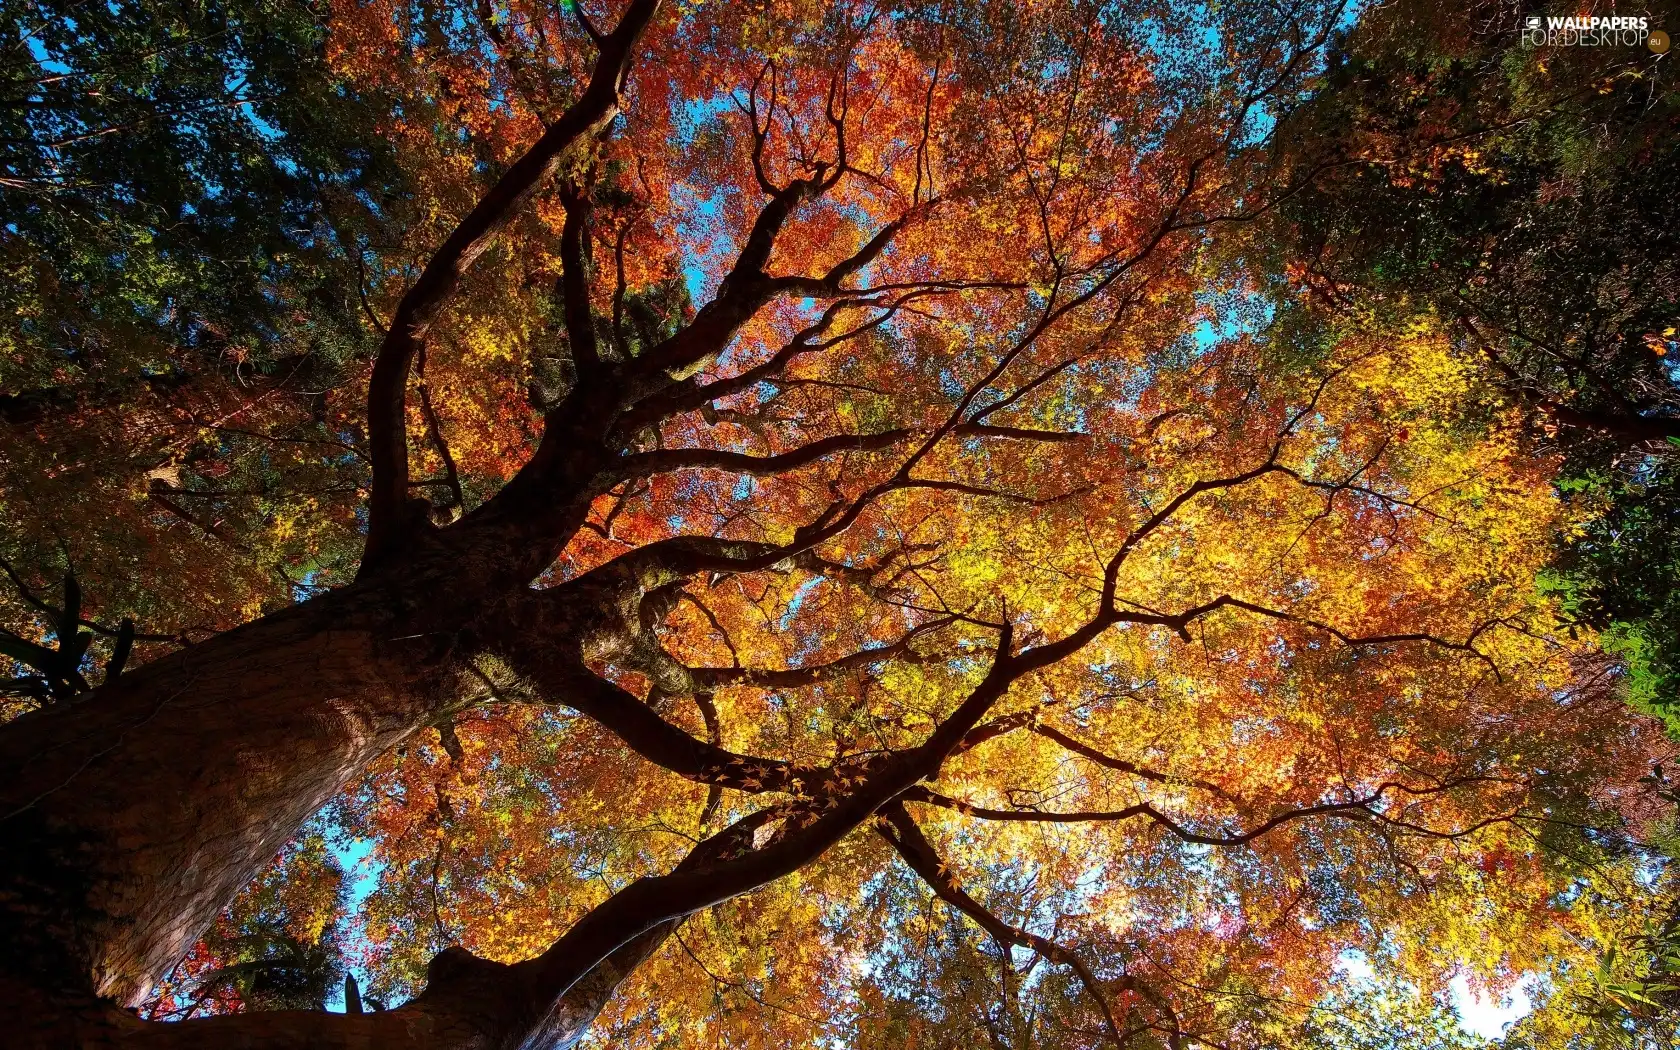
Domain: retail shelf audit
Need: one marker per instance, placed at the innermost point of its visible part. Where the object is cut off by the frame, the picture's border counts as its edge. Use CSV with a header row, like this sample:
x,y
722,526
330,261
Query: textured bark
x,y
469,1004
129,818
132,815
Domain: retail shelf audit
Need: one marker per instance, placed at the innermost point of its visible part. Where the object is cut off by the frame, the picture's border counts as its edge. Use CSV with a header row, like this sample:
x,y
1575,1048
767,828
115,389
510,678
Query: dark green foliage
x,y
283,973
180,183
1524,200
1622,577
187,194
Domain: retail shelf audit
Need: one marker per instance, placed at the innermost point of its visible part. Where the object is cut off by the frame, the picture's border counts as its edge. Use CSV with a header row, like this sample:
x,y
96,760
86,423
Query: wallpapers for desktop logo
x,y
1593,31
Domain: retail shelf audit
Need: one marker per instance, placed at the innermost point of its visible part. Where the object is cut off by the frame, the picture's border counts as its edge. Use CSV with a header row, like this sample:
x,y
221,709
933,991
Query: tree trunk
x,y
469,1004
129,818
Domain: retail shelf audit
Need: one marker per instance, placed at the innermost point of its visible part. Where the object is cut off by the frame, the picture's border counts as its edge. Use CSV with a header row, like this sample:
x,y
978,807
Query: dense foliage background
x,y
1429,269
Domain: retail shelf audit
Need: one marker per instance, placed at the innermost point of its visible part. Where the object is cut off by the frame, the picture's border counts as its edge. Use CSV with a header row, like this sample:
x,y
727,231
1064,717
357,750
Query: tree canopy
x,y
807,524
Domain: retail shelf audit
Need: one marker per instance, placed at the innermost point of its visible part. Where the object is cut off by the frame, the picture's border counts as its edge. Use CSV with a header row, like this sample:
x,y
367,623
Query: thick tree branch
x,y
468,1001
747,287
574,278
1625,427
648,902
983,430
389,514
689,395
562,680
667,460
434,432
793,677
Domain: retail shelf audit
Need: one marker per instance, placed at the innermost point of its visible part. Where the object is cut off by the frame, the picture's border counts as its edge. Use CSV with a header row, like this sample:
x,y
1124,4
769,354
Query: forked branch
x,y
390,516
899,830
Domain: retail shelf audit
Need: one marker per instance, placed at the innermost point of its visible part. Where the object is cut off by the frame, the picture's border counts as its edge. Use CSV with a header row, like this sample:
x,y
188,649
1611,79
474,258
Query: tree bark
x,y
1624,427
130,817
469,1004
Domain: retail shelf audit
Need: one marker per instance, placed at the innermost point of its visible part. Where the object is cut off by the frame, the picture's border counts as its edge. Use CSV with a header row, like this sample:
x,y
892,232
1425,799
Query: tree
x,y
189,194
1517,197
1514,198
960,514
274,949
